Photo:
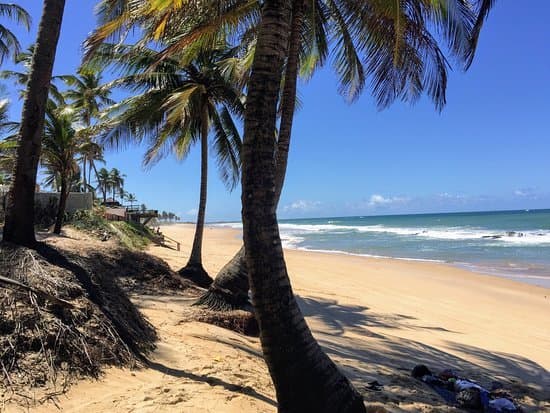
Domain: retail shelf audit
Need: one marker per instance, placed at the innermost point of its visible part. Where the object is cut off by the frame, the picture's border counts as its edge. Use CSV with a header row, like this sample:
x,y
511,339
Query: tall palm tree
x,y
59,148
116,179
103,182
19,222
304,378
87,96
178,107
9,45
402,64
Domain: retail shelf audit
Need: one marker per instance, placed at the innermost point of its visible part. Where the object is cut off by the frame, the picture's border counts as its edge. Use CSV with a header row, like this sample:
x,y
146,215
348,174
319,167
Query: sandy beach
x,y
377,318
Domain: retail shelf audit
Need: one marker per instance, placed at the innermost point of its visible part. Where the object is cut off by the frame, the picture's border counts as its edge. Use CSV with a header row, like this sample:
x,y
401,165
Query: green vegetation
x,y
131,235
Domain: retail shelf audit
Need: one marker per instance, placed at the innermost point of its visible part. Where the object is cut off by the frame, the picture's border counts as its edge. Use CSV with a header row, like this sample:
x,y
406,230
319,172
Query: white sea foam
x,y
492,237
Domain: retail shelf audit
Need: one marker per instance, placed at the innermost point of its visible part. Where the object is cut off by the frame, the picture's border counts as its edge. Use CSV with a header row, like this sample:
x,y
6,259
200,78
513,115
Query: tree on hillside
x,y
19,222
9,45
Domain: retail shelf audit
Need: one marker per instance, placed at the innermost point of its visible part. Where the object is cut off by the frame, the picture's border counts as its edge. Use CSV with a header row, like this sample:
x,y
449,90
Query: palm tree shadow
x,y
389,358
341,318
212,381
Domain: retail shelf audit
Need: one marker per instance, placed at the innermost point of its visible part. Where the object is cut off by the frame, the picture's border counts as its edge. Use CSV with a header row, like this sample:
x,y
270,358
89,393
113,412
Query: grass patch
x,y
130,234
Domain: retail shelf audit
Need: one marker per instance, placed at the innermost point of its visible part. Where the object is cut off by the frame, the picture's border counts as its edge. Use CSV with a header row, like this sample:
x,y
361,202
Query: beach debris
x,y
374,386
466,393
61,320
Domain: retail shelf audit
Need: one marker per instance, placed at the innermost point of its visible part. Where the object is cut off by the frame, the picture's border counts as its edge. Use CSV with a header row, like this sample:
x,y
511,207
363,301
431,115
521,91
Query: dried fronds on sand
x,y
241,321
44,343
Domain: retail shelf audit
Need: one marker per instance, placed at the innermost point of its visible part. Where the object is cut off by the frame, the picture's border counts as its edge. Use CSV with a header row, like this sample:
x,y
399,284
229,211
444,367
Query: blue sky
x,y
488,149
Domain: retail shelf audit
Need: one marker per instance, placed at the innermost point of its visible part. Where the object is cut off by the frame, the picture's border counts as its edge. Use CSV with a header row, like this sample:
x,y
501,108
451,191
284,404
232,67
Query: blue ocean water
x,y
513,244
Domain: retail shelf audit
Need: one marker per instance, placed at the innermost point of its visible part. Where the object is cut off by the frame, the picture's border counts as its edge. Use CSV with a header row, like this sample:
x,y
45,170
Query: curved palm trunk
x,y
194,269
305,378
63,195
230,287
19,224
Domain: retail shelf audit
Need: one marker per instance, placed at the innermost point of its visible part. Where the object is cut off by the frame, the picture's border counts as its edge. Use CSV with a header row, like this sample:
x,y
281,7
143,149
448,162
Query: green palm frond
x,y
9,44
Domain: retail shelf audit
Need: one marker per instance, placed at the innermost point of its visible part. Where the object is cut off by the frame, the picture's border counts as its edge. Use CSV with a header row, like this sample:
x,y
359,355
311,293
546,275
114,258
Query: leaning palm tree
x,y
9,45
305,379
178,107
59,148
19,222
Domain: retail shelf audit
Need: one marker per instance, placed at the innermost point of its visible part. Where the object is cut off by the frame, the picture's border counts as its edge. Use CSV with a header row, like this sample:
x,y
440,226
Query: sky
x,y
488,149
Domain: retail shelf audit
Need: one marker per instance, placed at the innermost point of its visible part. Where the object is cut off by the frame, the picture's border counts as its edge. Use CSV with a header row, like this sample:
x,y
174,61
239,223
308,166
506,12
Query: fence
x,y
75,201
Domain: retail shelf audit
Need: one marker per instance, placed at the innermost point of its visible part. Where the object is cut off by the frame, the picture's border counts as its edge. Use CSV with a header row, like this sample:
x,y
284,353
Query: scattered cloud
x,y
379,200
302,206
193,211
447,195
526,193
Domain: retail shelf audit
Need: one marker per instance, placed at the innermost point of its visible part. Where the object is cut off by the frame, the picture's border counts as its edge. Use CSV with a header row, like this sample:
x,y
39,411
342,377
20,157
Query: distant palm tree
x,y
103,182
19,222
131,198
180,106
9,45
8,142
87,96
116,182
59,148
91,152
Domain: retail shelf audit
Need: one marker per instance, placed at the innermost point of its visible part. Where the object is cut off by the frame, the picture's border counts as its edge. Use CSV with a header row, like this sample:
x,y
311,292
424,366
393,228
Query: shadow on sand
x,y
390,359
212,381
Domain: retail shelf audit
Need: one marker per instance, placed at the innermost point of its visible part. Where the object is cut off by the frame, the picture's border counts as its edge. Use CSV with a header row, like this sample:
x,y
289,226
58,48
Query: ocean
x,y
512,244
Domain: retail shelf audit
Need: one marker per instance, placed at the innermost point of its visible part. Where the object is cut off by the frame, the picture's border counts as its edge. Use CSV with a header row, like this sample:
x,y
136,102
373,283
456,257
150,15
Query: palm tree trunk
x,y
230,287
194,269
63,195
19,223
84,182
305,378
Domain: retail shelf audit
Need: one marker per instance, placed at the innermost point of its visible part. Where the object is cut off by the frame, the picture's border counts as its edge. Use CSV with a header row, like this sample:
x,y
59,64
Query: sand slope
x,y
375,318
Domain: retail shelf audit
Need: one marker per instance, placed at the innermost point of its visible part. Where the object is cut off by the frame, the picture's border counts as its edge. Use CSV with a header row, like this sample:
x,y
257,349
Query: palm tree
x,y
87,96
91,152
305,379
103,182
19,222
116,180
59,148
9,45
21,78
180,106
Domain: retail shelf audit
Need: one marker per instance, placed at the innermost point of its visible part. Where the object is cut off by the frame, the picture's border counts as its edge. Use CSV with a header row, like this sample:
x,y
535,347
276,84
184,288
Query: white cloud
x,y
193,211
379,200
526,193
302,206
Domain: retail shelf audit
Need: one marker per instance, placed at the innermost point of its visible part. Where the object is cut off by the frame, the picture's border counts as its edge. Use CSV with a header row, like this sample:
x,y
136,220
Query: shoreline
x,y
536,280
456,305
